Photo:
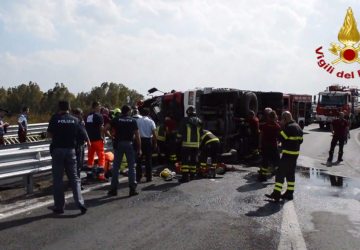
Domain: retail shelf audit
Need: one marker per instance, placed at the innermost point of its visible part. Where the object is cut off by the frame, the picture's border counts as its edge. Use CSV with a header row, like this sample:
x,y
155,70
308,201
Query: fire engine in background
x,y
335,99
300,106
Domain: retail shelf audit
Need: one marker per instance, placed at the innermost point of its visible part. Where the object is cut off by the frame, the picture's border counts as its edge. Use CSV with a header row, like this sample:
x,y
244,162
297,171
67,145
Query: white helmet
x,y
167,175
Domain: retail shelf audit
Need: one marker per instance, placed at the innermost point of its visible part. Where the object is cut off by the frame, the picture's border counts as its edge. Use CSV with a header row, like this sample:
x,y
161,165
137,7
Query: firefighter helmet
x,y
166,174
191,110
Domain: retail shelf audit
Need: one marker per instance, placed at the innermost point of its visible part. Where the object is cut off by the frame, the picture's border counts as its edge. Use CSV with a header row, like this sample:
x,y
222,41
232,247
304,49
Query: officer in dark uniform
x,y
339,129
161,142
189,132
209,148
126,128
291,137
3,126
64,129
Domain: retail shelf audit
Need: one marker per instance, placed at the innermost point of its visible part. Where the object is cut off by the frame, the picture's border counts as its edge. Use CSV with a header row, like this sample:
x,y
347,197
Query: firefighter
x,y
189,132
291,137
171,130
161,142
255,132
208,148
269,145
339,129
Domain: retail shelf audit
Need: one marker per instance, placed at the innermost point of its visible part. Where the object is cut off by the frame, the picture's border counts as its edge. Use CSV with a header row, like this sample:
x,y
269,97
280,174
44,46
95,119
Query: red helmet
x,y
140,103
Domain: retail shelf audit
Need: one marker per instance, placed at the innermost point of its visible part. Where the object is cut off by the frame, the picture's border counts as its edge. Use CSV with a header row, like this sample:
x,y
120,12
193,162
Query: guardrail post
x,y
28,182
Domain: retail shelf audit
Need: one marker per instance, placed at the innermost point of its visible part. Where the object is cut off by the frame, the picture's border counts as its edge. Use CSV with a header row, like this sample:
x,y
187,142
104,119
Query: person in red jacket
x,y
269,145
339,129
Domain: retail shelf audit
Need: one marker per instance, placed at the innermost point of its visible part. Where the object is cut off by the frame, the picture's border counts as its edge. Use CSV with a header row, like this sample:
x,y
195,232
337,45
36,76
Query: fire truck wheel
x,y
249,102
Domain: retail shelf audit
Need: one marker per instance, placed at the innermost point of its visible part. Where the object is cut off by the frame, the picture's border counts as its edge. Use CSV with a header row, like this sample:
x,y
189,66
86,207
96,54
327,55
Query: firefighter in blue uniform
x,y
189,132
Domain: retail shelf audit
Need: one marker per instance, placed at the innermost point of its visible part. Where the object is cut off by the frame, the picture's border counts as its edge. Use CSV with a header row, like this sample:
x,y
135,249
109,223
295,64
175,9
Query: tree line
x,y
43,104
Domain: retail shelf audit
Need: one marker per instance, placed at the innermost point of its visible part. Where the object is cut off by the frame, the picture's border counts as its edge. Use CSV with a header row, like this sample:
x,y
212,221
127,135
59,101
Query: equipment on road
x,y
167,175
337,98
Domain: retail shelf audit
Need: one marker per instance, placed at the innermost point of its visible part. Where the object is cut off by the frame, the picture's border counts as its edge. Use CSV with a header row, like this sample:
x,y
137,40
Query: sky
x,y
255,45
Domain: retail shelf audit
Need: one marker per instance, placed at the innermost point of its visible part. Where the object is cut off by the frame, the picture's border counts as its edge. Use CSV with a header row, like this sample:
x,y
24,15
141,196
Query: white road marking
x,y
36,204
291,236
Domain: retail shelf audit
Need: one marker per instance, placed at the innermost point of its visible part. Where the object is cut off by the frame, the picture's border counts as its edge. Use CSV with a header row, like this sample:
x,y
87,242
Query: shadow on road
x,y
323,130
252,184
266,210
162,187
21,222
95,202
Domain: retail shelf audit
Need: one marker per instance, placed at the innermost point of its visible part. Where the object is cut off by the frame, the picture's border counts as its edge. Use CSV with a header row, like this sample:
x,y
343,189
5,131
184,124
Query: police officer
x,y
64,128
209,148
291,137
269,145
339,129
189,132
126,127
161,142
81,139
22,121
3,125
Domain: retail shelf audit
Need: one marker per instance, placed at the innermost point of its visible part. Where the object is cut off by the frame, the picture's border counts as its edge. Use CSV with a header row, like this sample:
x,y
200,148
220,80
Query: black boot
x,y
331,155
184,178
275,195
340,159
288,195
112,192
192,176
133,192
262,177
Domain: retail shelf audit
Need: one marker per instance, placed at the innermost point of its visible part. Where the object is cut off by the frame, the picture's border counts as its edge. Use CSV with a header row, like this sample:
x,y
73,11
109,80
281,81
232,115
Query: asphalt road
x,y
229,212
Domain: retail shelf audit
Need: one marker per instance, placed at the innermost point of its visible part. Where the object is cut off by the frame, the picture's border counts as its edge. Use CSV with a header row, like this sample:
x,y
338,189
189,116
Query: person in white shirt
x,y
147,131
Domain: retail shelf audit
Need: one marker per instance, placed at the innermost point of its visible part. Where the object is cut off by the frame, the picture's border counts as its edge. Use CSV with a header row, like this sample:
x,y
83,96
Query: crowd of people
x,y
141,141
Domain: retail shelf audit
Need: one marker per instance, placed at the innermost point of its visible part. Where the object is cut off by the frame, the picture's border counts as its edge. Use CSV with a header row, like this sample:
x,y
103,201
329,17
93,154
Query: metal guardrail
x,y
30,130
13,129
26,160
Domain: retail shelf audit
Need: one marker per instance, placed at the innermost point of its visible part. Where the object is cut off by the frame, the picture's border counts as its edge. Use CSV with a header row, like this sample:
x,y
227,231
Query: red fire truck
x,y
335,99
300,108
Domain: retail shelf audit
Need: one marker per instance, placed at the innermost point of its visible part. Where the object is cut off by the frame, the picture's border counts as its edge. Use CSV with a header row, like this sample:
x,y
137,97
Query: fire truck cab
x,y
336,99
300,108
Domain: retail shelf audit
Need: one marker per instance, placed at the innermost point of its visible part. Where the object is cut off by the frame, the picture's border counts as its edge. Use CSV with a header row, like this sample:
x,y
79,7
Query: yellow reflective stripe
x,y
207,133
291,152
190,144
178,135
157,129
188,134
284,135
264,169
291,188
214,139
295,138
198,133
160,138
291,183
278,184
154,155
203,164
278,189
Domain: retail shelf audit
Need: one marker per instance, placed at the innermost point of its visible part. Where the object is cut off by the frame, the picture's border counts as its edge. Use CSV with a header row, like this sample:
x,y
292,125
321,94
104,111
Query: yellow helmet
x,y
166,174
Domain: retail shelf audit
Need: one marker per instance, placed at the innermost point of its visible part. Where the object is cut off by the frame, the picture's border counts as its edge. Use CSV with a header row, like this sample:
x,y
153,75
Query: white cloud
x,y
257,45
